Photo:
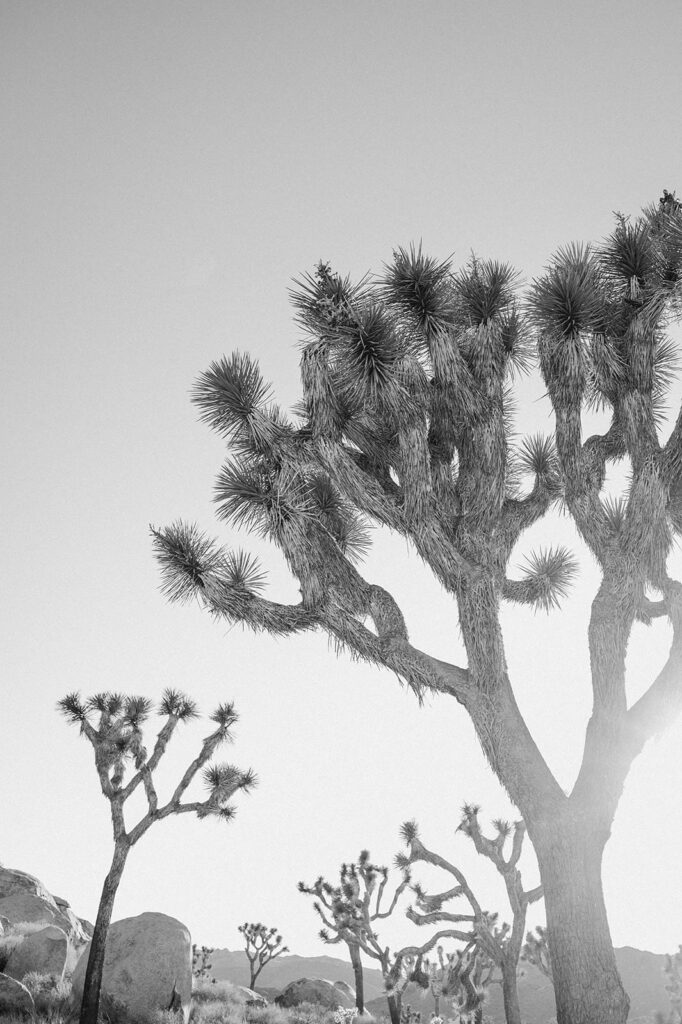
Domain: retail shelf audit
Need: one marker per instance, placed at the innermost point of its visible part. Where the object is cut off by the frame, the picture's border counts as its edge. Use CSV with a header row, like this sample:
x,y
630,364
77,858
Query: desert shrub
x,y
217,1011
50,995
168,1017
266,1015
205,991
311,1013
8,943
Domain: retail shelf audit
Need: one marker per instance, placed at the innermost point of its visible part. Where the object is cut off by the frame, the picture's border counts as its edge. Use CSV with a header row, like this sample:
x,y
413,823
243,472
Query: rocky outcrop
x,y
316,990
15,998
45,951
24,898
148,959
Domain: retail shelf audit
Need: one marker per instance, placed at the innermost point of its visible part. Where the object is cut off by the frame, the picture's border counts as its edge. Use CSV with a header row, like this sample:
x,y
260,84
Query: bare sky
x,y
168,168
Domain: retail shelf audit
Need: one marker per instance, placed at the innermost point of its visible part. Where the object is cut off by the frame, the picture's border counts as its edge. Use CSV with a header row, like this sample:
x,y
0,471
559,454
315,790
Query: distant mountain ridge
x,y
641,971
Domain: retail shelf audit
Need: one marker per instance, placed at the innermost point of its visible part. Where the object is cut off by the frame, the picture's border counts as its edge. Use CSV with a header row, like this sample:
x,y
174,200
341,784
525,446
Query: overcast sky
x,y
168,168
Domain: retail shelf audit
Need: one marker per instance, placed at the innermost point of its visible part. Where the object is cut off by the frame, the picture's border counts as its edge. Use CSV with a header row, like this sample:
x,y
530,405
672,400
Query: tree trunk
x,y
510,994
394,1007
587,986
93,975
436,1005
359,978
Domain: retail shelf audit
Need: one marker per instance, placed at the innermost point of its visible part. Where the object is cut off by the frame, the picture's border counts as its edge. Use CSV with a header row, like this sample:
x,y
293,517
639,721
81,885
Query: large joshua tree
x,y
404,422
112,723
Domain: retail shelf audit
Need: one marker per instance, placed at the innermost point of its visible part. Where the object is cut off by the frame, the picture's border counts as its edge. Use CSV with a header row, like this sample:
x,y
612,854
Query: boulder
x,y
45,951
148,961
24,898
251,998
14,997
316,990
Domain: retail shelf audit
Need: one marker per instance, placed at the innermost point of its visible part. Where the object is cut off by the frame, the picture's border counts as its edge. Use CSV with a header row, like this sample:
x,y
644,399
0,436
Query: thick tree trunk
x,y
394,1007
356,963
587,986
510,994
93,975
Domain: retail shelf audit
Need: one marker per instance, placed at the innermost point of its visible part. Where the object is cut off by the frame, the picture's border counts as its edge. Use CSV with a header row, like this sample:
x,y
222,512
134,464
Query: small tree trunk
x,y
254,975
359,978
394,1006
587,986
92,985
436,1004
510,994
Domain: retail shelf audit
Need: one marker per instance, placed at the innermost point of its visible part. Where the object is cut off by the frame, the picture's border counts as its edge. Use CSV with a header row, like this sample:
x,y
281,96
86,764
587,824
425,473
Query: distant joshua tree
x,y
500,945
262,945
349,912
535,950
201,961
117,739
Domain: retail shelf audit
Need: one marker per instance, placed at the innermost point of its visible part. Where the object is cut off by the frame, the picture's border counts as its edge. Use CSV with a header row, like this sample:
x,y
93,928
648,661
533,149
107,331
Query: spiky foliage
x,y
404,424
112,723
498,945
262,945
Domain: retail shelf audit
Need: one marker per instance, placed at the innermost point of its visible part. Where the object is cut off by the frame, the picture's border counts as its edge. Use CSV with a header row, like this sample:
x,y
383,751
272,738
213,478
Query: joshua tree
x,y
463,977
113,723
262,945
201,961
535,950
349,912
500,945
355,901
404,421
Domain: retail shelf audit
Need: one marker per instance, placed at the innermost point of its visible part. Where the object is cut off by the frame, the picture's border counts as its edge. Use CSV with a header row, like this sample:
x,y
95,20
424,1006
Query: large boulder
x,y
24,898
316,990
147,966
15,998
45,951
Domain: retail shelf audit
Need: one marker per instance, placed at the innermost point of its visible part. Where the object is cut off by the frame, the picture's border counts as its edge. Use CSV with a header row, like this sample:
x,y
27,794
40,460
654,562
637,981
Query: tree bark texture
x,y
92,984
587,986
394,1007
356,963
510,995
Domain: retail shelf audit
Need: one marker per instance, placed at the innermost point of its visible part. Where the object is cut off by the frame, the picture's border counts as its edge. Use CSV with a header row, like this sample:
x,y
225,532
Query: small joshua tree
x,y
262,945
113,723
500,944
349,912
201,961
535,951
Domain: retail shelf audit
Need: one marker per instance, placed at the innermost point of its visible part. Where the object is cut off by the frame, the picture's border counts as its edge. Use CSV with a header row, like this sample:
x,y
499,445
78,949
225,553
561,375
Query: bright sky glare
x,y
168,169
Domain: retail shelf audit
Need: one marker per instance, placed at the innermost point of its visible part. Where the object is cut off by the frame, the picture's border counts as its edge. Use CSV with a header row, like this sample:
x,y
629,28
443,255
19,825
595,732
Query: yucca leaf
x,y
485,290
136,710
419,288
225,715
549,574
232,397
567,299
538,455
409,831
185,556
243,570
72,707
